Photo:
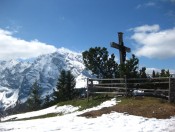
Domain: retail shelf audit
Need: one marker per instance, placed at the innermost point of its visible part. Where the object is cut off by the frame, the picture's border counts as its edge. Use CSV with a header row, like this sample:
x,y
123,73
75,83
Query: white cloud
x,y
15,48
145,5
150,70
146,28
153,42
150,4
138,6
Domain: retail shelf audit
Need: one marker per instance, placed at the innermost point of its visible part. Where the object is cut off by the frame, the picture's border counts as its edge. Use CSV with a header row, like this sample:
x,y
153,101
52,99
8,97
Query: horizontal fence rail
x,y
159,87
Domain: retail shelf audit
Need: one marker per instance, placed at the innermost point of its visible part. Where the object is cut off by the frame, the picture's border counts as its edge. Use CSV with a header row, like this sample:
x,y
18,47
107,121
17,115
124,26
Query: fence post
x,y
88,89
171,89
169,92
125,84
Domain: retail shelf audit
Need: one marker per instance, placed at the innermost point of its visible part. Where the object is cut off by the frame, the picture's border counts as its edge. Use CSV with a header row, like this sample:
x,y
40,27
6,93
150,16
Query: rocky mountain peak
x,y
18,76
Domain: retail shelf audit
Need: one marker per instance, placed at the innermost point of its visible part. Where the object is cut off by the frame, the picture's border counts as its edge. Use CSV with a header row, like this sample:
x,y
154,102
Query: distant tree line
x,y
163,73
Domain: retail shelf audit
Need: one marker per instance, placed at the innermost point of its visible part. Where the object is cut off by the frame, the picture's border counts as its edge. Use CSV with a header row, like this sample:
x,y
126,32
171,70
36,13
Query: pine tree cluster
x,y
64,91
104,65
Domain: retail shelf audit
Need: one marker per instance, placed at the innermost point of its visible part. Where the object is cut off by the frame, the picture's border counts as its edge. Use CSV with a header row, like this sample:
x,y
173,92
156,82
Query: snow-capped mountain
x,y
17,77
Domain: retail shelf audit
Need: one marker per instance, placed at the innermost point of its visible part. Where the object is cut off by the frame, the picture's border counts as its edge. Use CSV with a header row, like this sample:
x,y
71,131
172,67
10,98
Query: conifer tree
x,y
143,73
167,73
60,87
70,85
153,74
112,68
157,74
34,101
130,68
47,102
65,87
98,61
163,73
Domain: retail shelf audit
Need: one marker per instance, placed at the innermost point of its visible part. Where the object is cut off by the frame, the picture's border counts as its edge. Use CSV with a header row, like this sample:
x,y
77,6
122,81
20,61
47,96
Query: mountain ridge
x,y
18,76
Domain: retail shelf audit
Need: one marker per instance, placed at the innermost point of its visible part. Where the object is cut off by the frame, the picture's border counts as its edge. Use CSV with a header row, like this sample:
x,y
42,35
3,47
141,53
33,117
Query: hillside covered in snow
x,y
17,76
69,121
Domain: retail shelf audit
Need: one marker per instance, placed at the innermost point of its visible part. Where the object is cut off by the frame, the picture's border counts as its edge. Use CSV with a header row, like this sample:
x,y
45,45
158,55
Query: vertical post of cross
x,y
120,46
122,51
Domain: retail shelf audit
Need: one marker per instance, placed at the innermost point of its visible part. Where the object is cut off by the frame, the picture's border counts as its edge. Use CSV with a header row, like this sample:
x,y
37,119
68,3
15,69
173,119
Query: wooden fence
x,y
159,87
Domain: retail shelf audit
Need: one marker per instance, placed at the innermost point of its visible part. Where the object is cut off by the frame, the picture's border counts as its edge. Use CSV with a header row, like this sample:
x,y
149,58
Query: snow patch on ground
x,y
72,123
54,109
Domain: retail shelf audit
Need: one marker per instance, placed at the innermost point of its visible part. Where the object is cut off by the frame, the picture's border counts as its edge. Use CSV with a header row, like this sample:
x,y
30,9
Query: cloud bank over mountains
x,y
152,42
16,48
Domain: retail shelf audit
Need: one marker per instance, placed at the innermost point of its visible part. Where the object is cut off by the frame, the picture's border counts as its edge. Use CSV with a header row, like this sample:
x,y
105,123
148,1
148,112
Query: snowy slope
x,y
8,97
20,75
70,122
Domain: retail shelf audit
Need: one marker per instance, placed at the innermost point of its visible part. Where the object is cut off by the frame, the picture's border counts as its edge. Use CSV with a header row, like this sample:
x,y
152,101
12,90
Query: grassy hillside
x,y
140,106
81,103
84,103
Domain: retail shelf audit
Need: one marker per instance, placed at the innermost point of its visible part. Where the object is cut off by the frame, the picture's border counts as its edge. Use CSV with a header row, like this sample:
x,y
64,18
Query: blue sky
x,y
29,28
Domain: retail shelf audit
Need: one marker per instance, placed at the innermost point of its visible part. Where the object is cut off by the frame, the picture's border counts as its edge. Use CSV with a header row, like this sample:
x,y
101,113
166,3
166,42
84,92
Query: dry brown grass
x,y
146,107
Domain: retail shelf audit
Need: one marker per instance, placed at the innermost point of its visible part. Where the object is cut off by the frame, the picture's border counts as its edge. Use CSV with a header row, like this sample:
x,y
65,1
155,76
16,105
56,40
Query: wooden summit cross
x,y
120,46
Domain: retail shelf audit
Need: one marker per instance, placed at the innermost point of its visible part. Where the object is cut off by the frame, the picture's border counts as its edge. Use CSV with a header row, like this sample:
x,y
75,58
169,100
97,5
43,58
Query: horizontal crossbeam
x,y
117,46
